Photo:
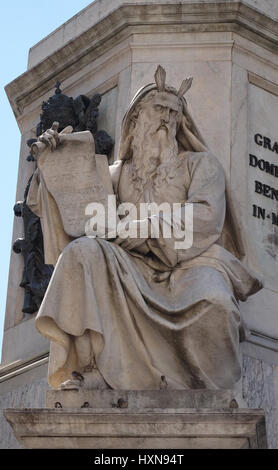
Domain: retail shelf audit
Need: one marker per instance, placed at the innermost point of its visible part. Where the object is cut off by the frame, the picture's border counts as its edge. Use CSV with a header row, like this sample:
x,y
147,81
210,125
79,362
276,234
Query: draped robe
x,y
140,314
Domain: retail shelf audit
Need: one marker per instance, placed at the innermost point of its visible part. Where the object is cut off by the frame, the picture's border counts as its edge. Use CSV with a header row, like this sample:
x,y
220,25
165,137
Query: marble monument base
x,y
113,419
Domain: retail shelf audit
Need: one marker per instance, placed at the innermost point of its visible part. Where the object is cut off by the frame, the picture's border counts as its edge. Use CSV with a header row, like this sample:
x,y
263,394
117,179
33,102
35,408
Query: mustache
x,y
163,125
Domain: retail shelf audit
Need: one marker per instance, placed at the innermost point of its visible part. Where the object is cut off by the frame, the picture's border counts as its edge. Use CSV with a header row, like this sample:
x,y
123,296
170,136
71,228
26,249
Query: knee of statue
x,y
224,301
220,298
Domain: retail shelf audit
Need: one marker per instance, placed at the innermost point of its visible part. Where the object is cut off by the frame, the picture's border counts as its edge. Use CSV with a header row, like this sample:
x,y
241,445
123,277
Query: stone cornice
x,y
20,367
263,83
128,19
227,428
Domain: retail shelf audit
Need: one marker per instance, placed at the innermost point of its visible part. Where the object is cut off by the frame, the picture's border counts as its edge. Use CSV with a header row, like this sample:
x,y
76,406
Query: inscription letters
x,y
266,190
263,165
266,142
271,169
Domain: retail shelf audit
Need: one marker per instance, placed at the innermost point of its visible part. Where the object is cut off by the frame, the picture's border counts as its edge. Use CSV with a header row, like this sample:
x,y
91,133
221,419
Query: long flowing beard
x,y
155,158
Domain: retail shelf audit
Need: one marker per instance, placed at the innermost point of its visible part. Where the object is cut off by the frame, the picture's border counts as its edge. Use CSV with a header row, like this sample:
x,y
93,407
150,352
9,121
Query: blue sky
x,y
22,24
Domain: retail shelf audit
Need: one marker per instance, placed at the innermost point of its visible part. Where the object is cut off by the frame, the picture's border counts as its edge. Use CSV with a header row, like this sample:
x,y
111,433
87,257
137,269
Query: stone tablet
x,y
75,176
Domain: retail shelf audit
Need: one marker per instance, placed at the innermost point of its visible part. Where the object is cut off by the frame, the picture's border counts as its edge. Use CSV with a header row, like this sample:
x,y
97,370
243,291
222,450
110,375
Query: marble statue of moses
x,y
125,312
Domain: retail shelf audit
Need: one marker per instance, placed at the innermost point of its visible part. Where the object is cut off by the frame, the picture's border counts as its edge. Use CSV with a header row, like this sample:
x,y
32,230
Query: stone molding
x,y
128,19
263,83
149,428
263,340
20,367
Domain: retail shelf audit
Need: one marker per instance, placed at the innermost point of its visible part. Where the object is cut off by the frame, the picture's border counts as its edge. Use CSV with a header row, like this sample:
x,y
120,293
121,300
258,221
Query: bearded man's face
x,y
165,111
154,145
161,116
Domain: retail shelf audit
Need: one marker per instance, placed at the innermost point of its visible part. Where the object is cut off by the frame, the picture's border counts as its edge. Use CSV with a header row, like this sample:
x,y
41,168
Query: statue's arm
x,y
206,193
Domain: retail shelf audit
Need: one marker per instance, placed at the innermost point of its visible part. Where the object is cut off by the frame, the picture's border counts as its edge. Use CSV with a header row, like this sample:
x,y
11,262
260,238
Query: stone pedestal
x,y
139,420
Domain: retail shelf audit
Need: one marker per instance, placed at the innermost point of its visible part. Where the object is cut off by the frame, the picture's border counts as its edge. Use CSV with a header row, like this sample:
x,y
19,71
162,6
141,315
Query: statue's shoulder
x,y
203,163
205,158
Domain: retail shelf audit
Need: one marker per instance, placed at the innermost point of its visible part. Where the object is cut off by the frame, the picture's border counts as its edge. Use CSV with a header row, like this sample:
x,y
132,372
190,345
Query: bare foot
x,y
89,380
71,384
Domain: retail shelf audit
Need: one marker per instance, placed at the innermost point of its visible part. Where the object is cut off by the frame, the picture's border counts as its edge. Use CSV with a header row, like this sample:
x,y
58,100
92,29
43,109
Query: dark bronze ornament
x,y
36,274
81,113
59,108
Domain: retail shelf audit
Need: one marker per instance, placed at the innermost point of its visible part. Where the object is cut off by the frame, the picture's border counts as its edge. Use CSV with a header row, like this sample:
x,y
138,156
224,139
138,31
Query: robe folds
x,y
141,314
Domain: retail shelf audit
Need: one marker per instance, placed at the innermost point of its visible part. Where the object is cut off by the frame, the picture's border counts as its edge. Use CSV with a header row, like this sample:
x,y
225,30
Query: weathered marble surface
x,y
97,10
114,68
139,429
25,396
269,7
260,387
259,382
262,113
260,390
162,158
141,399
22,342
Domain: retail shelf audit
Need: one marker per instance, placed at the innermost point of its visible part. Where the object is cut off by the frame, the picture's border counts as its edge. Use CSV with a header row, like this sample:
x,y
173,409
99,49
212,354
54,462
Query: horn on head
x,y
160,78
185,85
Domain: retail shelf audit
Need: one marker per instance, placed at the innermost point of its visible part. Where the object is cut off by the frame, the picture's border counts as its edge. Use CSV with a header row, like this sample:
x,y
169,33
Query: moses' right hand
x,y
50,137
